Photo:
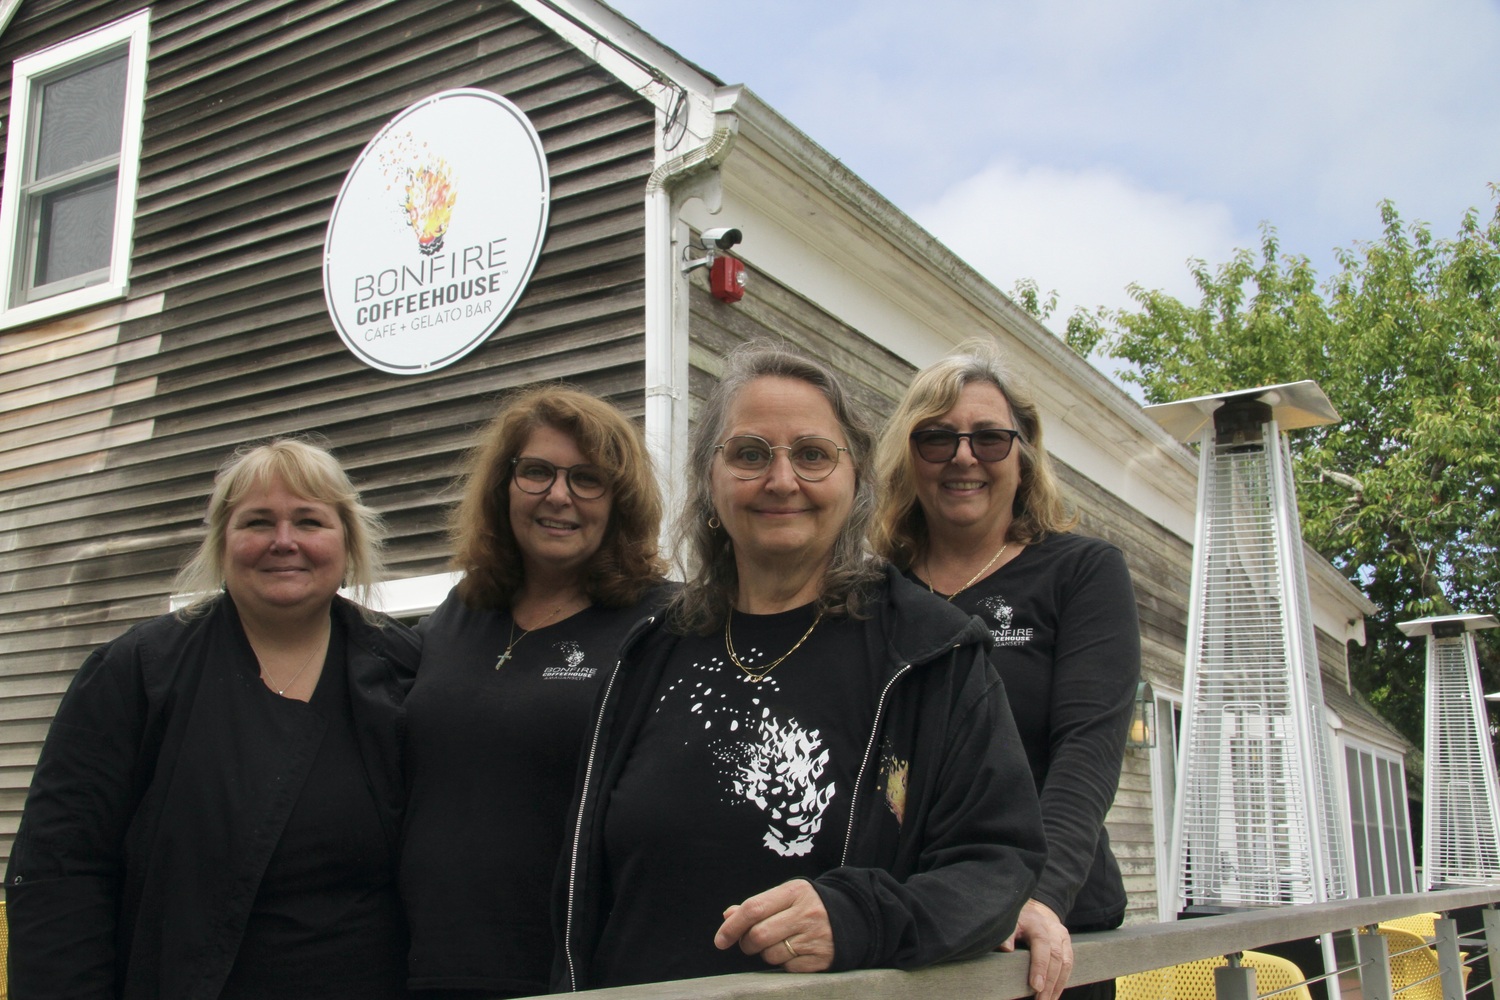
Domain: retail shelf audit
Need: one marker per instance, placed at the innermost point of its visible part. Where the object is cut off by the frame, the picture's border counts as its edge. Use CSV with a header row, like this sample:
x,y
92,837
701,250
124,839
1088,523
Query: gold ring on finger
x,y
790,950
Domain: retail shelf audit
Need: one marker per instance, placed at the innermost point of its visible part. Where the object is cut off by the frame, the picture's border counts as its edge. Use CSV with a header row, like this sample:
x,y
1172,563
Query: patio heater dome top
x,y
1448,624
1293,405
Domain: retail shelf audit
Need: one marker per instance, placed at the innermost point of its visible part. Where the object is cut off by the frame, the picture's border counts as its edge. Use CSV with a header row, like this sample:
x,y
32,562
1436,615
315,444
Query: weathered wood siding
x,y
873,375
112,423
1161,570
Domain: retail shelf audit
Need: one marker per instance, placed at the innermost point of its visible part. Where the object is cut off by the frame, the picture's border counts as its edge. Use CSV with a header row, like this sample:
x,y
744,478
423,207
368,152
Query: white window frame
x,y
412,597
1382,757
134,32
1163,797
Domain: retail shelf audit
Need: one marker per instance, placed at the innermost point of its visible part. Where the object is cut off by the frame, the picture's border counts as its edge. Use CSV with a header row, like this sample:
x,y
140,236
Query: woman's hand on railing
x,y
1051,947
786,926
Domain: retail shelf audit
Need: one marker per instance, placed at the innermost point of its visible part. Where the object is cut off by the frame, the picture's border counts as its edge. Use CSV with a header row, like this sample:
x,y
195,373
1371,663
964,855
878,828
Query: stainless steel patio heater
x,y
1258,823
1461,807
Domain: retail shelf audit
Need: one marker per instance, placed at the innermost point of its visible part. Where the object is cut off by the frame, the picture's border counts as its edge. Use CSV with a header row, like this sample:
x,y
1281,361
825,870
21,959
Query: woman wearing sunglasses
x,y
556,537
807,762
972,512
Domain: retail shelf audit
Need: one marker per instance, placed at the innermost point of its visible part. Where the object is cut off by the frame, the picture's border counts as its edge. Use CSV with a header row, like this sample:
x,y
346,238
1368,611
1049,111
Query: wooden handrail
x,y
1105,955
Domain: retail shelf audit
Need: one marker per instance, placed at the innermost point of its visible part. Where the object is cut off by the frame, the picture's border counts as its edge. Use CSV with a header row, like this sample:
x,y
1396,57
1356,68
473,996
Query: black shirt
x,y
491,755
1067,645
732,788
326,921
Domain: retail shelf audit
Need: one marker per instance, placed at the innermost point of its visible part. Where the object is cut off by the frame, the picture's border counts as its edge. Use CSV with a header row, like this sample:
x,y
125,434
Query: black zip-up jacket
x,y
950,882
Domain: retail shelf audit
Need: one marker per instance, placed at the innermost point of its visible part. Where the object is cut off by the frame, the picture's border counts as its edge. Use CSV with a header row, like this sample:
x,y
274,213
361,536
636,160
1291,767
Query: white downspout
x,y
667,305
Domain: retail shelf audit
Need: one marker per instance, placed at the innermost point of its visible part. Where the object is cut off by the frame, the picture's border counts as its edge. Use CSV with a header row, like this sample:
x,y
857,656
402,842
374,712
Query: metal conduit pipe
x,y
667,307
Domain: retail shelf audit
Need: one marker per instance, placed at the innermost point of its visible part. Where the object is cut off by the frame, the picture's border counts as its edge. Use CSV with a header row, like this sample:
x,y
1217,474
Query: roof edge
x,y
8,10
806,156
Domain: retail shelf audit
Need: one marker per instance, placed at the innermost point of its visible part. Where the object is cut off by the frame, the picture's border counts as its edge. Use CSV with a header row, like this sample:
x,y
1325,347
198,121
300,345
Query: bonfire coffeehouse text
x,y
443,288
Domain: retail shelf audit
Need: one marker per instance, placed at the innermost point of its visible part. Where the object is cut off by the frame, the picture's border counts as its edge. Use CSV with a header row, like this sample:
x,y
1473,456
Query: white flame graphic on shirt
x,y
780,774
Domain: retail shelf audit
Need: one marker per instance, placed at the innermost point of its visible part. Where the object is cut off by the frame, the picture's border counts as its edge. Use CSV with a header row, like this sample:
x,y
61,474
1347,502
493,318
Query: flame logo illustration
x,y
430,196
425,187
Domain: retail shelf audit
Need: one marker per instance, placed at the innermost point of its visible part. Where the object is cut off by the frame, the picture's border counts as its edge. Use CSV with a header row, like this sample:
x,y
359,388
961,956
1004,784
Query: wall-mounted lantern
x,y
1143,719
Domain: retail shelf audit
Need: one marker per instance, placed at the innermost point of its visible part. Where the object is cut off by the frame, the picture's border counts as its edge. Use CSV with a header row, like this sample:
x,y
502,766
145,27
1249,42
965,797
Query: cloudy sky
x,y
1089,144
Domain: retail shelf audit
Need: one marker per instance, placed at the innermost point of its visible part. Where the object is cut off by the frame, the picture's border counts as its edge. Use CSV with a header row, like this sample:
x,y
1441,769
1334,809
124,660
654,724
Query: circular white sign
x,y
436,231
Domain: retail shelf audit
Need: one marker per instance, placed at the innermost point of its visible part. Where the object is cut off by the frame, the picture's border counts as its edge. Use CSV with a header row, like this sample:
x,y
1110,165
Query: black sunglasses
x,y
536,475
992,444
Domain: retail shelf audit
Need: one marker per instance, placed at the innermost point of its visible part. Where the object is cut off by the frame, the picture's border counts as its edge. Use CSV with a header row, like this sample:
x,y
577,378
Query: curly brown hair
x,y
900,528
627,563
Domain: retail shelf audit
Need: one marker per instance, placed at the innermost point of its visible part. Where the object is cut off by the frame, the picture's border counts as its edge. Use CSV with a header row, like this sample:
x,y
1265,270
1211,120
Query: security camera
x,y
720,239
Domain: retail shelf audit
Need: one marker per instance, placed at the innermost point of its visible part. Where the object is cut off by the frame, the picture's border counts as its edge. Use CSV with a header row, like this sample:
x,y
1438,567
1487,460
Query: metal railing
x,y
1362,958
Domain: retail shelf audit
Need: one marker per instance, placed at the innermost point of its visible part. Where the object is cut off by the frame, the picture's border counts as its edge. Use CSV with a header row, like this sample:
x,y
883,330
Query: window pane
x,y
1357,822
76,228
1166,742
1372,824
1404,883
82,118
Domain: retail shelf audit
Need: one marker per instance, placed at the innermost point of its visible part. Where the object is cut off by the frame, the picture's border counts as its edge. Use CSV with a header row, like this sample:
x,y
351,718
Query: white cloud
x,y
1086,233
1301,113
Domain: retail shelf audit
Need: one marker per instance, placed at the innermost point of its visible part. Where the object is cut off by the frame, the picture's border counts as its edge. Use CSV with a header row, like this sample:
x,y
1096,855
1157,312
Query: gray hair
x,y
706,554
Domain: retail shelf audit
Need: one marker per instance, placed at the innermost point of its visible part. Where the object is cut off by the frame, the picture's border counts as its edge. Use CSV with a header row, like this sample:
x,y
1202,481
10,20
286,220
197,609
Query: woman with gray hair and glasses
x,y
806,762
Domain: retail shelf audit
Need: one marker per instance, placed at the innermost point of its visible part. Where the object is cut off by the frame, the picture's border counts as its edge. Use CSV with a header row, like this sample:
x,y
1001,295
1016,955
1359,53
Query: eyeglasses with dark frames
x,y
536,475
748,457
989,444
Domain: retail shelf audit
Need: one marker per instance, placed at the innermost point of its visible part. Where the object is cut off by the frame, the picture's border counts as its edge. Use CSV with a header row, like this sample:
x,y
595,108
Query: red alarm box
x,y
726,279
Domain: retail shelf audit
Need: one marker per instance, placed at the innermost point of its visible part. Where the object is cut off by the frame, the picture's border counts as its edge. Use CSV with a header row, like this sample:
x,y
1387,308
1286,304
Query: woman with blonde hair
x,y
556,537
806,762
972,512
217,807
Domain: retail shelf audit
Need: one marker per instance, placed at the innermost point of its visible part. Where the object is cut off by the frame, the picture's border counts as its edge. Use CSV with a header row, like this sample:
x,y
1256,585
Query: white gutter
x,y
8,10
691,175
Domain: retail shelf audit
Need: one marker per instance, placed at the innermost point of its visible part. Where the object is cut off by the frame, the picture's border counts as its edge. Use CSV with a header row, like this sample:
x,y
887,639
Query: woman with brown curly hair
x,y
556,536
972,512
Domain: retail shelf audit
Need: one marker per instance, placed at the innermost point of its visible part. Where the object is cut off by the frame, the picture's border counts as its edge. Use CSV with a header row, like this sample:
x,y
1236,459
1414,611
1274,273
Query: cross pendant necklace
x,y
506,656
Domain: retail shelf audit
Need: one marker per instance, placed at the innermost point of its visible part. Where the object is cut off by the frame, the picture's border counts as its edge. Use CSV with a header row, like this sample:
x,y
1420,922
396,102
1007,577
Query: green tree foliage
x,y
1403,495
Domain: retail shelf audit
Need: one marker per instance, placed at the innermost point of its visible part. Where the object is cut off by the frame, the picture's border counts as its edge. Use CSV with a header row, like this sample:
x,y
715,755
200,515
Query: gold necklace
x,y
758,676
993,559
514,639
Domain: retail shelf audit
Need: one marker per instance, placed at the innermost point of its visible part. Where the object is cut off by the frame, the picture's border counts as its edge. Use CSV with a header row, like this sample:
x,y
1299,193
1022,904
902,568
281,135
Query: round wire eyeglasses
x,y
748,457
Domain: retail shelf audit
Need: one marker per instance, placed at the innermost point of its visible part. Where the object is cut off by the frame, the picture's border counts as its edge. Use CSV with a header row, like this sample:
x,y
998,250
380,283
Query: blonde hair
x,y
306,470
627,563
1039,510
706,553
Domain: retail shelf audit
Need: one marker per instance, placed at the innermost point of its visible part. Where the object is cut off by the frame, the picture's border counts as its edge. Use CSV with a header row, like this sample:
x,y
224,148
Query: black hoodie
x,y
970,846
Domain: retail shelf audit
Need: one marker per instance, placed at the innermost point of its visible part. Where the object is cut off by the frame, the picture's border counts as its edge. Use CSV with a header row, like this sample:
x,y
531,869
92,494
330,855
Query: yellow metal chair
x,y
1419,962
1195,980
1421,924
